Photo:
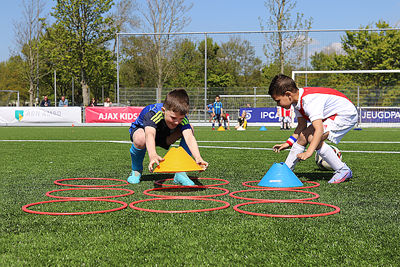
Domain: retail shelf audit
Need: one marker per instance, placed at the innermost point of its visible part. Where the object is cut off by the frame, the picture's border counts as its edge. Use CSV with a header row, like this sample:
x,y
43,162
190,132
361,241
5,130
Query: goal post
x,y
381,108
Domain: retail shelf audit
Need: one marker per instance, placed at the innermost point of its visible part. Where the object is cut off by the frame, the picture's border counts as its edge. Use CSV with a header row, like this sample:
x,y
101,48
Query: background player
x,y
331,115
285,117
217,112
161,125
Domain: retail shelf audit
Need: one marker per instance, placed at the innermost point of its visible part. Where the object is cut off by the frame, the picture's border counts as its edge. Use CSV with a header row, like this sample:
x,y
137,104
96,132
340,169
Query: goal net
x,y
9,98
375,93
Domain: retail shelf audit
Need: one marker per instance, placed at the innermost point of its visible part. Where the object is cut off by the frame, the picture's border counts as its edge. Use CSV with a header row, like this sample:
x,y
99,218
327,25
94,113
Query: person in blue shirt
x,y
161,125
217,111
210,111
63,102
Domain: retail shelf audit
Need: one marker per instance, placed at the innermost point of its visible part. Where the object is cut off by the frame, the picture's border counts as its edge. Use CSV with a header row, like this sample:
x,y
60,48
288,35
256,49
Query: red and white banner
x,y
111,114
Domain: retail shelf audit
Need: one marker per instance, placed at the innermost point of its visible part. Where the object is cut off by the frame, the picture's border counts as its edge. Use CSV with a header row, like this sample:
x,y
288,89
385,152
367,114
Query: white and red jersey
x,y
322,103
283,112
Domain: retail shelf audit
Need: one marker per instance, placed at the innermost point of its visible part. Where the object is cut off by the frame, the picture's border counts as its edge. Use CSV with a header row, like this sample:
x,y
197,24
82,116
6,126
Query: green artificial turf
x,y
366,232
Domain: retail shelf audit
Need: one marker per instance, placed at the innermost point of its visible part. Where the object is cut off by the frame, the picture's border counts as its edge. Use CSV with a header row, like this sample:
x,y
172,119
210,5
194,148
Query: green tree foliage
x,y
363,50
238,57
85,32
187,64
11,72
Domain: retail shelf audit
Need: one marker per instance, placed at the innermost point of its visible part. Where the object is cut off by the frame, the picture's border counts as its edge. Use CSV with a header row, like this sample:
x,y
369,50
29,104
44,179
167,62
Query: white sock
x,y
329,155
292,159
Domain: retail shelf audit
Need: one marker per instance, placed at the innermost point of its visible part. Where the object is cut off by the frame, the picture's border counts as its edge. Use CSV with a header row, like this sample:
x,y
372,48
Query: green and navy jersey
x,y
153,116
217,108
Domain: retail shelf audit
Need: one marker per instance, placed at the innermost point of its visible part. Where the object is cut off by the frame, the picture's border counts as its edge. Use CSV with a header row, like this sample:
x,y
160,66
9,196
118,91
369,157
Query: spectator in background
x,y
92,102
108,102
45,102
63,102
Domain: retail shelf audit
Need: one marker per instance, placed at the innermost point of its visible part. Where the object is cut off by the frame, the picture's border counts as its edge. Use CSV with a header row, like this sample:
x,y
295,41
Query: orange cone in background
x,y
177,160
221,128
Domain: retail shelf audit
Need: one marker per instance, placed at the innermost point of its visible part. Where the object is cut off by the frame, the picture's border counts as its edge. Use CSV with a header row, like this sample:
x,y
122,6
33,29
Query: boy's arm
x,y
150,135
301,125
317,137
192,144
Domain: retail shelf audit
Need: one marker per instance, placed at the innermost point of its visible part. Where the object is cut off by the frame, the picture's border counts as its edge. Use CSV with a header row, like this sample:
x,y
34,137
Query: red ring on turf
x,y
146,192
283,188
57,182
337,209
130,192
275,200
132,205
161,182
25,208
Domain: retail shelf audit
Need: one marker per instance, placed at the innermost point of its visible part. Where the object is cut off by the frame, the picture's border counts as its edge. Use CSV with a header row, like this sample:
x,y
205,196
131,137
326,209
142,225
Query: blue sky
x,y
242,15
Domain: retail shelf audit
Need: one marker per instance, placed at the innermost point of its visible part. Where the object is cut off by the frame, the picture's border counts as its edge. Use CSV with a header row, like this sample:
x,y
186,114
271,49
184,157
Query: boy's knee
x,y
302,139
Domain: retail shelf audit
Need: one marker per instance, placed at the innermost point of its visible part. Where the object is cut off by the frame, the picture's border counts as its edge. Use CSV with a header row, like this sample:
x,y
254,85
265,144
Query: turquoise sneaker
x,y
134,178
181,178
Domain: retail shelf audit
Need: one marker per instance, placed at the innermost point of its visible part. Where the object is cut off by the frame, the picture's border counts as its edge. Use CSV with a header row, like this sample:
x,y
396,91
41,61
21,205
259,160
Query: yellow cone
x,y
177,160
221,128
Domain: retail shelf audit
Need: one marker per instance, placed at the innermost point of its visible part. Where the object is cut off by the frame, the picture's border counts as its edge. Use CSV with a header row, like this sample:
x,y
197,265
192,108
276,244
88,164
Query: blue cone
x,y
279,175
263,128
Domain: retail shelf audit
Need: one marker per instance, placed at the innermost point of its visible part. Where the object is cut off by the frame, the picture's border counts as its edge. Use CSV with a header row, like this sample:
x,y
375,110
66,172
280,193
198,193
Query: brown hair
x,y
177,101
281,84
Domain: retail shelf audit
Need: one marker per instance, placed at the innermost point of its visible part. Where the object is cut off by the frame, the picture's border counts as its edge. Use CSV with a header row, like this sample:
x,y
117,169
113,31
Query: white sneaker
x,y
341,175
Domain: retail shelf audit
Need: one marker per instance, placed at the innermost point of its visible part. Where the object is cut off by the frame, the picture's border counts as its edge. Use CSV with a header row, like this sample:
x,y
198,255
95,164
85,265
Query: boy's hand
x,y
202,163
277,148
303,156
156,159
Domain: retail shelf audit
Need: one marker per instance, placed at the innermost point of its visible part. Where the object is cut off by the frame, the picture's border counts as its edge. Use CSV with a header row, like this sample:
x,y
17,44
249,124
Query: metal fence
x,y
328,41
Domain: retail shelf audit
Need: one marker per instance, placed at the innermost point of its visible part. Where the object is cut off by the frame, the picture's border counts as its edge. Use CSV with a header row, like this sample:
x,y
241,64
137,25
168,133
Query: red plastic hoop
x,y
146,192
337,209
161,182
132,205
282,188
130,192
25,208
57,182
274,200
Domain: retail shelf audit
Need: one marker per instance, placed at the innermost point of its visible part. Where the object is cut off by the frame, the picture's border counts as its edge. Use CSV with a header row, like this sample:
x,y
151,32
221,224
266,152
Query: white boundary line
x,y
219,147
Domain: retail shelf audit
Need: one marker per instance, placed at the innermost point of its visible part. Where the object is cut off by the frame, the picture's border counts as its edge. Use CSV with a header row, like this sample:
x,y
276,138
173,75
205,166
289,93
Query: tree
x,y
86,33
374,50
27,34
240,59
163,17
284,46
187,65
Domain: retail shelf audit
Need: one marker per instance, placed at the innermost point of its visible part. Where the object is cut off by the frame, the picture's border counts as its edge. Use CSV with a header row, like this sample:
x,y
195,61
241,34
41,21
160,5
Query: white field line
x,y
225,147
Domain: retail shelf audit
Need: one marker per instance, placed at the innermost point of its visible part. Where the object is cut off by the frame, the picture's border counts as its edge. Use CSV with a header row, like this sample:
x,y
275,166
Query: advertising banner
x,y
379,115
261,114
40,115
112,114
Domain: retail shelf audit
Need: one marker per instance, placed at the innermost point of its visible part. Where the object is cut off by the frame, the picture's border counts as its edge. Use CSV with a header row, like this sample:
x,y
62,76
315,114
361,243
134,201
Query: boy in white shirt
x,y
331,115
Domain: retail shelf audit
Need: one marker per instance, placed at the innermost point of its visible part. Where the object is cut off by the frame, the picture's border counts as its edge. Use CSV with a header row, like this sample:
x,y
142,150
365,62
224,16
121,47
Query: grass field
x,y
365,233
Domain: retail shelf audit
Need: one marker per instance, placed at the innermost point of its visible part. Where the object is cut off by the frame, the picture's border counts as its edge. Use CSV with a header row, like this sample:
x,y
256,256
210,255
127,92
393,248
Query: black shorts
x,y
161,138
217,117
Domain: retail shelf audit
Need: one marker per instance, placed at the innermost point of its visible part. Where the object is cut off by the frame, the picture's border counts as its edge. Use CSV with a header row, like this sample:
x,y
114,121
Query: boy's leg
x,y
292,159
137,156
180,177
336,129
